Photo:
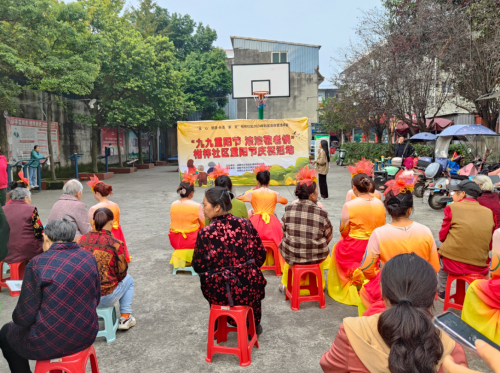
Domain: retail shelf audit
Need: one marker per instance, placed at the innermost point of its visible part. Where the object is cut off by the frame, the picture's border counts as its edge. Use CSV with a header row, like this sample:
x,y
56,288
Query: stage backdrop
x,y
243,144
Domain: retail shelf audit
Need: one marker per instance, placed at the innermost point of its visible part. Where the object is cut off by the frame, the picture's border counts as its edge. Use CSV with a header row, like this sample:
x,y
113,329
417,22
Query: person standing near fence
x,y
35,158
322,165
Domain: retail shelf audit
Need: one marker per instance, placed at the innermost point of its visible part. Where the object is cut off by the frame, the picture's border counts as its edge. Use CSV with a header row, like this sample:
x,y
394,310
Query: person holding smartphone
x,y
401,339
488,354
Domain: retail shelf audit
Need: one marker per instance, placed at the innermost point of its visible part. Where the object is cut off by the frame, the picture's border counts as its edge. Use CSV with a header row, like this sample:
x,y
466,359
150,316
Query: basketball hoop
x,y
260,98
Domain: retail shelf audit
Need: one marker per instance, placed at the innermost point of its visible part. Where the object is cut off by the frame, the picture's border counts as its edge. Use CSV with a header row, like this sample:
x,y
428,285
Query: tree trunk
x,y
139,142
49,137
4,146
380,135
341,137
119,147
94,149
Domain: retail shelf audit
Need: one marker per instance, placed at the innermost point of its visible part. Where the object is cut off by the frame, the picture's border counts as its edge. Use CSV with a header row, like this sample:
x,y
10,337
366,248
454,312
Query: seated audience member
x,y
4,235
307,231
482,302
239,209
401,339
26,229
70,205
401,236
488,199
55,315
116,284
186,220
465,235
228,255
358,220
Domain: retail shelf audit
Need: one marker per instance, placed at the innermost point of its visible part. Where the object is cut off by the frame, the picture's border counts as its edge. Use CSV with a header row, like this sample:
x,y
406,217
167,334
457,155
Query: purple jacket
x,y
23,242
56,312
75,210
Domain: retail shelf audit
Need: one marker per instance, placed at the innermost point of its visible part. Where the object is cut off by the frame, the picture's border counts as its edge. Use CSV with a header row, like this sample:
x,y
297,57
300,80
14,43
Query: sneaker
x,y
126,324
441,295
282,289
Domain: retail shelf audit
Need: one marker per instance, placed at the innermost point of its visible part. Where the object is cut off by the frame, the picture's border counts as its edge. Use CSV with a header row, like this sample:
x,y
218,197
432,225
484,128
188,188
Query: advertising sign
x,y
108,139
23,134
282,144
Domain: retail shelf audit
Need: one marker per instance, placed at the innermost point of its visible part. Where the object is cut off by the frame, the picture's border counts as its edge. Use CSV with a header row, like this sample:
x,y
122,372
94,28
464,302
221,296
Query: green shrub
x,y
371,151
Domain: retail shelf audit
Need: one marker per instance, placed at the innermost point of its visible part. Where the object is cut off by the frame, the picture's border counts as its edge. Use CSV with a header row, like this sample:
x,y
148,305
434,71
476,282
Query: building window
x,y
279,57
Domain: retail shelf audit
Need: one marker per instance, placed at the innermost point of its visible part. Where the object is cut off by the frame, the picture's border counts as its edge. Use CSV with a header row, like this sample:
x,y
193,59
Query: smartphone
x,y
461,332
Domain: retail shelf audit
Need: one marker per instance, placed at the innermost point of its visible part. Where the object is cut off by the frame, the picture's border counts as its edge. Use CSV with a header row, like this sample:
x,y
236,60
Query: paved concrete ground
x,y
171,312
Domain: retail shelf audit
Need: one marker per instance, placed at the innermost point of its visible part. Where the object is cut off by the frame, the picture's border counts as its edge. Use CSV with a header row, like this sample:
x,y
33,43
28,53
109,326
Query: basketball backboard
x,y
271,77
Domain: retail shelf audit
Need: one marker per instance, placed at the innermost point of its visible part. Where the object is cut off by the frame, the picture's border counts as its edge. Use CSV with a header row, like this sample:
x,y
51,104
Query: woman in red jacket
x,y
488,199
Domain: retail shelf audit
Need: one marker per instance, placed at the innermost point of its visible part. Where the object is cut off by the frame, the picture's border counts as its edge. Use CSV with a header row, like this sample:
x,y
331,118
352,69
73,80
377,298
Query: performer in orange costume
x,y
365,165
101,192
482,302
358,220
264,201
401,236
186,219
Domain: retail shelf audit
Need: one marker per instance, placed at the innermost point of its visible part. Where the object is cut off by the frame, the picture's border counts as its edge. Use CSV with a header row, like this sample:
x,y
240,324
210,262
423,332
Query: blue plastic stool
x,y
187,269
108,314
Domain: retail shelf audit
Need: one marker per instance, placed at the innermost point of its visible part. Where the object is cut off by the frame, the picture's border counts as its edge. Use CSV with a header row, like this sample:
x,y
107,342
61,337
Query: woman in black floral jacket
x,y
228,255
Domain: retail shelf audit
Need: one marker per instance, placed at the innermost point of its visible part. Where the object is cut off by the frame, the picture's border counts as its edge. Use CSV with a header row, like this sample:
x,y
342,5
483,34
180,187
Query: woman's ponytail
x,y
101,218
409,283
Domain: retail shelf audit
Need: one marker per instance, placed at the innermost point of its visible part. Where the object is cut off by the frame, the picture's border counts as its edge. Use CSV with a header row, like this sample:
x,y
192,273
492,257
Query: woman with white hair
x,y
26,229
489,198
70,205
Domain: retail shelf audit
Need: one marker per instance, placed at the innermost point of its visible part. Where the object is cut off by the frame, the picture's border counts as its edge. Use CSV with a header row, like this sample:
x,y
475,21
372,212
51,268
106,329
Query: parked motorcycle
x,y
341,157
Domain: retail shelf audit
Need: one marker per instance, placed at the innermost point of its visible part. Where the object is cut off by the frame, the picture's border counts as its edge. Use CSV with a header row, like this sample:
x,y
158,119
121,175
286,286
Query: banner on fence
x,y
282,144
23,134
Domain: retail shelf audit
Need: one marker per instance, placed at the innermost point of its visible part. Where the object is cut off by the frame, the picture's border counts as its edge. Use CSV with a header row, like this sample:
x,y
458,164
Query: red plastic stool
x,y
16,273
315,287
270,245
239,314
76,363
459,295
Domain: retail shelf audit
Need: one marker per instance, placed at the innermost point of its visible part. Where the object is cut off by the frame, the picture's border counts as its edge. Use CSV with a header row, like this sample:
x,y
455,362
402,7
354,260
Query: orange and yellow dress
x,y
117,228
186,219
482,302
350,195
264,201
385,243
358,220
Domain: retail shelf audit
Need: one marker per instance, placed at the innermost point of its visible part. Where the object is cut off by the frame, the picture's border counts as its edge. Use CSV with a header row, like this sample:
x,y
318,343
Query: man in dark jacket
x,y
56,312
399,149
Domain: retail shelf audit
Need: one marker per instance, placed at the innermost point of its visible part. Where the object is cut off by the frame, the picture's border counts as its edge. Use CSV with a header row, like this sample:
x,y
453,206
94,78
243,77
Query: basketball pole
x,y
261,111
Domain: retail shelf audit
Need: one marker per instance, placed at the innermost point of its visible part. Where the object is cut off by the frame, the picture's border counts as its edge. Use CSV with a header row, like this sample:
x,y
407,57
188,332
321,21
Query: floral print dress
x,y
227,256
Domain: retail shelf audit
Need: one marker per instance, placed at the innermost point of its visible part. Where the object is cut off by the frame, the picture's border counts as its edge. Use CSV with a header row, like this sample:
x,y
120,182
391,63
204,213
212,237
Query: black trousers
x,y
17,363
3,196
323,188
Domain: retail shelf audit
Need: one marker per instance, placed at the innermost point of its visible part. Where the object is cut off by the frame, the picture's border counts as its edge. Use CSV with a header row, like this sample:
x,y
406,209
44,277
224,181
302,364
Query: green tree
x,y
337,114
19,41
208,81
49,48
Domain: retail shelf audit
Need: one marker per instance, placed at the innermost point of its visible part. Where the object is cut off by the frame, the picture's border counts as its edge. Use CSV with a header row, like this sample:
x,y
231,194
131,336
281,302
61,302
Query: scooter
x,y
341,157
